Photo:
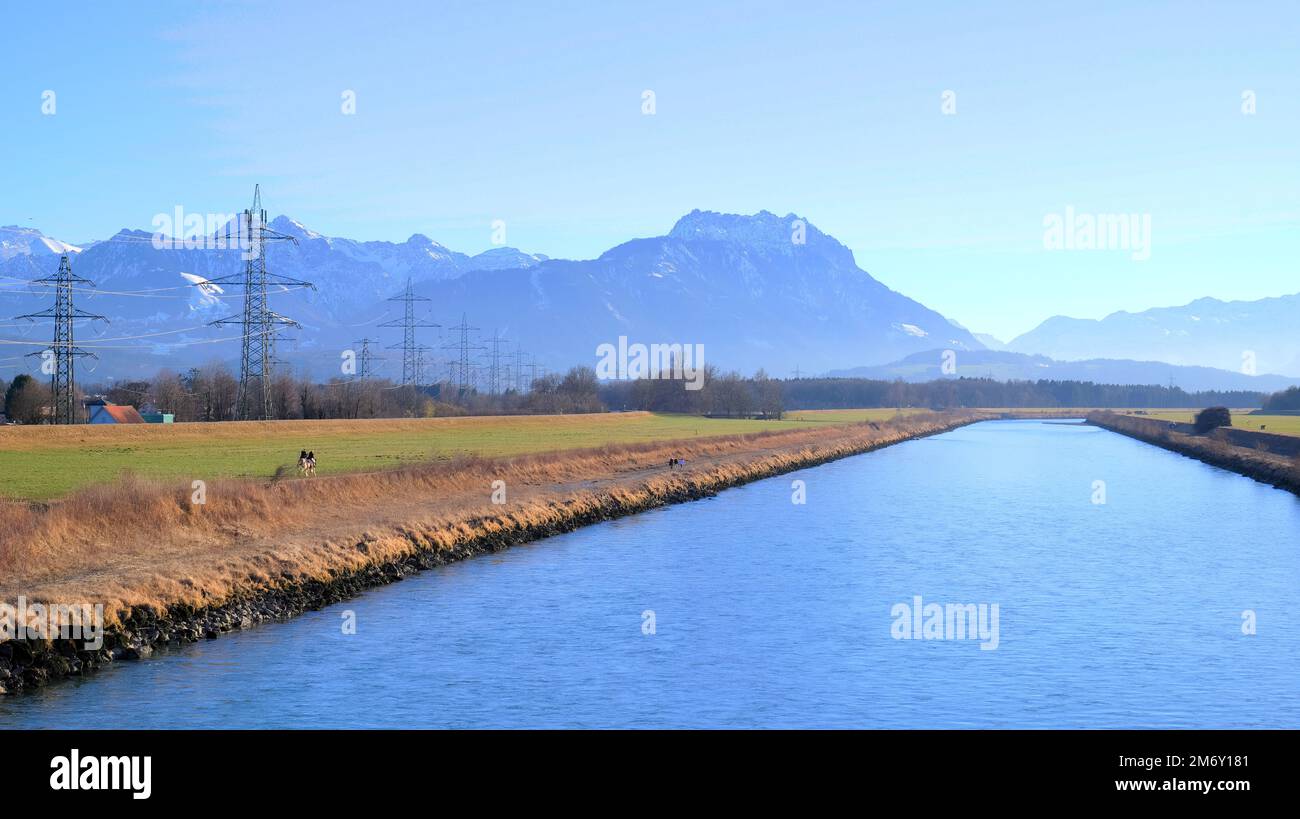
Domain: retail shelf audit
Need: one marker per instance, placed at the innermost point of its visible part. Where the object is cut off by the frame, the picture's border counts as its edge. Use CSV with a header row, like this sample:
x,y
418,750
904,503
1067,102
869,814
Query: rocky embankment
x,y
29,663
1229,452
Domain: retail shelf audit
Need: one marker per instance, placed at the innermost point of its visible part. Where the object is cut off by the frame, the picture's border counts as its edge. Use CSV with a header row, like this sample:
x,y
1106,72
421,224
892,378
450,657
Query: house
x,y
100,411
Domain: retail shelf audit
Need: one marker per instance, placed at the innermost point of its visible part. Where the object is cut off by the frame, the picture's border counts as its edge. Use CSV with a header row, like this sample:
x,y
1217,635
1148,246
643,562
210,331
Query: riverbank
x,y
171,570
1242,451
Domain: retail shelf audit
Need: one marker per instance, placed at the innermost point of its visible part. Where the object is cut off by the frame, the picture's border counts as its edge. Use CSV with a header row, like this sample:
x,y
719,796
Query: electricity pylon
x,y
59,359
494,364
259,322
463,348
408,323
423,366
517,379
367,359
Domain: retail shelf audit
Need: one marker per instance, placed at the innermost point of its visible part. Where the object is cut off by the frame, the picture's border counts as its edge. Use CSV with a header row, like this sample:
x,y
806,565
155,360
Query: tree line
x,y
839,393
1287,400
209,393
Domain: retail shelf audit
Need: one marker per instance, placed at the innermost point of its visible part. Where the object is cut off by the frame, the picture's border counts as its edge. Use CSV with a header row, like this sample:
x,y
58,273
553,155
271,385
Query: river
x,y
1124,577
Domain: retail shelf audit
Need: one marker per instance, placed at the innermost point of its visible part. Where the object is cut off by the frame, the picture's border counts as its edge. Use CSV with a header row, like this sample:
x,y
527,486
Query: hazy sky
x,y
531,113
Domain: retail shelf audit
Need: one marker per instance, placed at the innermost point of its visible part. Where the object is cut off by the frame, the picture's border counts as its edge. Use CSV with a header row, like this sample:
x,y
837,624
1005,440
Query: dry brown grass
x,y
143,542
1255,461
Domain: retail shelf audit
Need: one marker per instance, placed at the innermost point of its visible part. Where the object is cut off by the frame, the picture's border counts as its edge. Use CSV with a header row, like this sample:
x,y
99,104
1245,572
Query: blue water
x,y
768,613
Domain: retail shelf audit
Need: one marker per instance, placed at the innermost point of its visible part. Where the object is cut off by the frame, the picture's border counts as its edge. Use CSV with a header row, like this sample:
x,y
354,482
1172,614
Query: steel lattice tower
x,y
517,380
408,323
366,364
64,349
533,370
494,364
423,366
463,348
259,322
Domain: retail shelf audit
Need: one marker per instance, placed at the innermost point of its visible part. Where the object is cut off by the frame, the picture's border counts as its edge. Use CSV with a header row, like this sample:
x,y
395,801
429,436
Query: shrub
x,y
1212,418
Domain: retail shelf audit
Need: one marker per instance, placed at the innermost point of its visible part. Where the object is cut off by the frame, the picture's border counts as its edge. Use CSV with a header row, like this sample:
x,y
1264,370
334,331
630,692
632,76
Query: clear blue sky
x,y
531,113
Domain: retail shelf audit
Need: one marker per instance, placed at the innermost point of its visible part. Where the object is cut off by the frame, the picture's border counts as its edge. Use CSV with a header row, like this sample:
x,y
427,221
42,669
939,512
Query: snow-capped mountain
x,y
740,285
19,241
756,291
1263,335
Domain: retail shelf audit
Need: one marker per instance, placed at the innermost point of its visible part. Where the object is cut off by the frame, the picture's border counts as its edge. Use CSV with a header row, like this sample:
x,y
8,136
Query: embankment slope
x,y
170,570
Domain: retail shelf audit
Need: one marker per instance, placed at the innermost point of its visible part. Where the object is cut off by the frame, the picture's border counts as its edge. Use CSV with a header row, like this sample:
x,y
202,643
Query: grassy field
x,y
1279,424
40,463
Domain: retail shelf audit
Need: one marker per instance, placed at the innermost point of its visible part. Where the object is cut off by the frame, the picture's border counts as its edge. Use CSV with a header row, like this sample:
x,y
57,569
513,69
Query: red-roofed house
x,y
102,412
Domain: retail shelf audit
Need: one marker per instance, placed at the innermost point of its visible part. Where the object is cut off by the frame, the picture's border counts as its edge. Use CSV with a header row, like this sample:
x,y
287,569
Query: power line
x,y
63,350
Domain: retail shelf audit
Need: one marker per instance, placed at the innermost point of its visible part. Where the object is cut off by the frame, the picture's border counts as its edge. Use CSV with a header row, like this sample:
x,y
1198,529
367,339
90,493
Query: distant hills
x,y
1206,332
1007,366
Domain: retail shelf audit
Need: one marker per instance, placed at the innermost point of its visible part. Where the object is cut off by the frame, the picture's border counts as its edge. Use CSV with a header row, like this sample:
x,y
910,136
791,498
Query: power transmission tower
x,y
494,364
423,366
59,359
259,322
408,323
367,359
464,377
518,378
532,367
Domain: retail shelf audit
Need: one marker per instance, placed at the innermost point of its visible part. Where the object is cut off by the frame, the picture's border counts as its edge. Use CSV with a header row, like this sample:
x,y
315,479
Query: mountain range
x,y
746,287
1263,335
757,291
1003,365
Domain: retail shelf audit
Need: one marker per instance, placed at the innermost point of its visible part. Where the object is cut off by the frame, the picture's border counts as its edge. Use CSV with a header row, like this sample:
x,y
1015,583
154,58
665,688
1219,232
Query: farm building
x,y
102,412
153,415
